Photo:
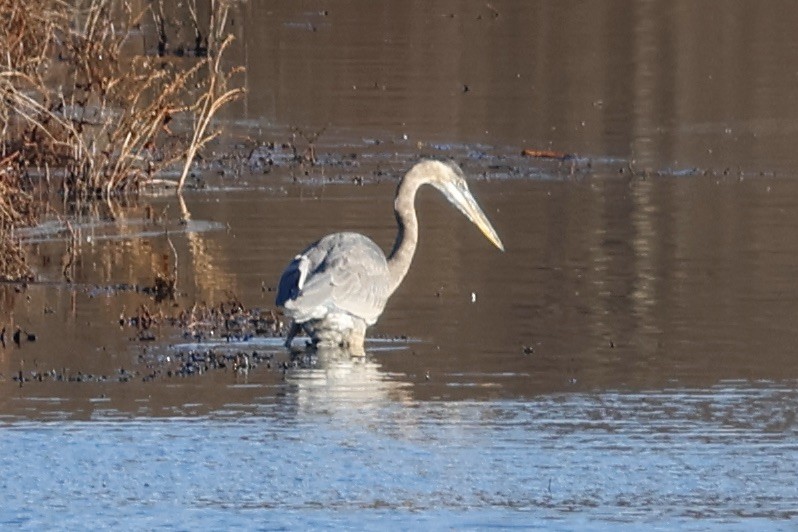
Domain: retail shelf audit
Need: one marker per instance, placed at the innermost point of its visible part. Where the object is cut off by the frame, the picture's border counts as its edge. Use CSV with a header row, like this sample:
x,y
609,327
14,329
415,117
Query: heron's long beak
x,y
464,200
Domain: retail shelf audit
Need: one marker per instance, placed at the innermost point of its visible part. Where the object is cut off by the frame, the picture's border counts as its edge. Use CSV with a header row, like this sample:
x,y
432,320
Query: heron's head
x,y
450,180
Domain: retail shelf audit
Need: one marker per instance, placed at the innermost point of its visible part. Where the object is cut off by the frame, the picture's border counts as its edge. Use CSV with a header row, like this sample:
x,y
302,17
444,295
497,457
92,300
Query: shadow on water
x,y
628,360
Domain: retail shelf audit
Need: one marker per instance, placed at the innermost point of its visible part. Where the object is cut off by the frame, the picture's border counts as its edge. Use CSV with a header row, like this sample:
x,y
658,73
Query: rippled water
x,y
628,362
338,447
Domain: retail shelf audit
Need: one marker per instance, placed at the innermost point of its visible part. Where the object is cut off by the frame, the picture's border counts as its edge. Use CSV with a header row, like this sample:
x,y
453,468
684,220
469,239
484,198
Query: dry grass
x,y
75,101
78,105
17,208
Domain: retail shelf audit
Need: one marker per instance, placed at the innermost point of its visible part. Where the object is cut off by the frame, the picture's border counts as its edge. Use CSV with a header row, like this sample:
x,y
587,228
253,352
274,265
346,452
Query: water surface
x,y
628,361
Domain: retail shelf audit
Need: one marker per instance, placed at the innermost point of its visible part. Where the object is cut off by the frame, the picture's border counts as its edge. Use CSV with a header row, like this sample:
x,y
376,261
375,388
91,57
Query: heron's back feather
x,y
342,272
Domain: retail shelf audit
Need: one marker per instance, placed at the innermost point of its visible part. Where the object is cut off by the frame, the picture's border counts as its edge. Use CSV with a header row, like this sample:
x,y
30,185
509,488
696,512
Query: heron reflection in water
x,y
338,286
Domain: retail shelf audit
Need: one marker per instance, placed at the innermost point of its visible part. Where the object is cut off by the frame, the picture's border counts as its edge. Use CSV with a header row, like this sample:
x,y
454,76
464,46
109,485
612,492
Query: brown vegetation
x,y
86,111
17,208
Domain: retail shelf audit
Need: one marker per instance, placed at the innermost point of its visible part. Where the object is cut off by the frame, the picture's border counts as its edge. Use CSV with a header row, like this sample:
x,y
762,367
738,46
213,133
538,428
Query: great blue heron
x,y
338,286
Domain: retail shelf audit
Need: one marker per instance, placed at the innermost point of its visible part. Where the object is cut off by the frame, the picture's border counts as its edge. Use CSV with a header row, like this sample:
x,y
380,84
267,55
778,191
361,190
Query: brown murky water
x,y
641,324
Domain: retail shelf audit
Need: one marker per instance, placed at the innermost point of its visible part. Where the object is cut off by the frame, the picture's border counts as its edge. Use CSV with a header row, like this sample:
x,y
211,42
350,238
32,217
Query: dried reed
x,y
77,102
105,124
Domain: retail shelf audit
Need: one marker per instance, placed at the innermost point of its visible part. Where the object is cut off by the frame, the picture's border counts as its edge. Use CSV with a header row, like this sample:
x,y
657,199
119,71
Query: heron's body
x,y
339,286
317,286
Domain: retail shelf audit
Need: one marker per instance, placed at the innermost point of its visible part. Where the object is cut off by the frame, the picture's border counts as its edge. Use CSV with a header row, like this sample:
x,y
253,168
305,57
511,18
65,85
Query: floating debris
x,y
548,154
528,350
163,288
197,362
64,375
228,320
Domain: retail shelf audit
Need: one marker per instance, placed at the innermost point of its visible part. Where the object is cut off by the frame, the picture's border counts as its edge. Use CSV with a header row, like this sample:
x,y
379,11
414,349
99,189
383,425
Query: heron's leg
x,y
293,331
356,349
355,338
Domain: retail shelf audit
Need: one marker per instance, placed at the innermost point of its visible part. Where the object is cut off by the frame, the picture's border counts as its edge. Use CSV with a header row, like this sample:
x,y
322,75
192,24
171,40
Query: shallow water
x,y
628,361
321,452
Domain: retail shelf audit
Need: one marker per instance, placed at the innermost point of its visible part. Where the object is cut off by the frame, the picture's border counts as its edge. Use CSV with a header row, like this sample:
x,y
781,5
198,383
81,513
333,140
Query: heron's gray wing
x,y
347,272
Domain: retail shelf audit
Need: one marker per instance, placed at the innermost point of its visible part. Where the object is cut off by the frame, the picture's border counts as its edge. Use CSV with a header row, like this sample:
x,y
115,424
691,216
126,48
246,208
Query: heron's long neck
x,y
406,239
